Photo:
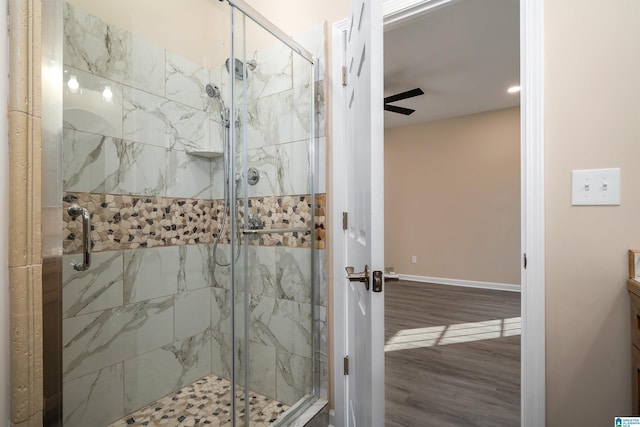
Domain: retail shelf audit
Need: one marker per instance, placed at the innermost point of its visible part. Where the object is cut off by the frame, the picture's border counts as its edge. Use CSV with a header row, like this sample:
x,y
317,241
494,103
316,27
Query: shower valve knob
x,y
253,176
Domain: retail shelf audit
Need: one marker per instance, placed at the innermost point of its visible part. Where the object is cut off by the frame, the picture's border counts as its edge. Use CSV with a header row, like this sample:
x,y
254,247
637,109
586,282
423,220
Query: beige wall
x,y
201,31
452,198
295,16
592,119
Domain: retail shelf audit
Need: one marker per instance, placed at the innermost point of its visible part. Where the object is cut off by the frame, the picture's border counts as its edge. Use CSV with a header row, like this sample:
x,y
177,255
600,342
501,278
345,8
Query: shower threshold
x,y
206,402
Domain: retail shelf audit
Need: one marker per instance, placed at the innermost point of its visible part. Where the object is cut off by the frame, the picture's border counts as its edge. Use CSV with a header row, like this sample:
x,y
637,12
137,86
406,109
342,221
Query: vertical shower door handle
x,y
75,211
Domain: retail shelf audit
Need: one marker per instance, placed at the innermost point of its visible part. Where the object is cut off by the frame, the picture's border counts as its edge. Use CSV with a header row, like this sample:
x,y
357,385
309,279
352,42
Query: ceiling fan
x,y
400,96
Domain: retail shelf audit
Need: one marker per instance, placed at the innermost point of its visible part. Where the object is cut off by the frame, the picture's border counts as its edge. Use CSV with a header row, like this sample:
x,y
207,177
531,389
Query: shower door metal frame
x,y
52,84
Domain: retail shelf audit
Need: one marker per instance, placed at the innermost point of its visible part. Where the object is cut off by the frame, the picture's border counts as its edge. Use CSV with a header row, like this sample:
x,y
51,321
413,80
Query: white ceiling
x,y
463,56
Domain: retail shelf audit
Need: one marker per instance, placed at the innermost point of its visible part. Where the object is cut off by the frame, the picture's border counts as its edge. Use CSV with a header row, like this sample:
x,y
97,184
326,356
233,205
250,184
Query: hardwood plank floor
x,y
451,360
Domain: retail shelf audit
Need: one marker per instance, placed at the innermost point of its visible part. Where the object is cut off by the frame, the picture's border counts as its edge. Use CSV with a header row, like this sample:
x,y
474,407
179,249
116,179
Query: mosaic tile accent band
x,y
120,222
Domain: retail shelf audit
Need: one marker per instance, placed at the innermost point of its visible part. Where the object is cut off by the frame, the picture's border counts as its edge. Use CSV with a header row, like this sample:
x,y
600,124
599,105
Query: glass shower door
x,y
185,158
272,86
140,136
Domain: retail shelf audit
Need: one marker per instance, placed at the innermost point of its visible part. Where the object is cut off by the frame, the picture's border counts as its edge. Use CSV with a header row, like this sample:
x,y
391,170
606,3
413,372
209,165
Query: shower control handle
x,y
75,211
358,277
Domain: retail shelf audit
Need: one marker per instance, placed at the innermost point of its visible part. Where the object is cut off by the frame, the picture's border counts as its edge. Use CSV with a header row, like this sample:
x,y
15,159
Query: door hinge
x,y
346,365
524,261
344,75
345,220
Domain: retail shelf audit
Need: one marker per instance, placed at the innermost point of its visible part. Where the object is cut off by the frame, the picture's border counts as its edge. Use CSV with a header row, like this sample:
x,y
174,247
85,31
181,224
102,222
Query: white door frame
x,y
339,384
398,12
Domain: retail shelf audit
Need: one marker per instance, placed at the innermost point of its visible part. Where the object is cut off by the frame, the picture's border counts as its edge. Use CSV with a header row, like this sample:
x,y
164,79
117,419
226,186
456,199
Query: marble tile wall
x,y
137,323
282,312
153,313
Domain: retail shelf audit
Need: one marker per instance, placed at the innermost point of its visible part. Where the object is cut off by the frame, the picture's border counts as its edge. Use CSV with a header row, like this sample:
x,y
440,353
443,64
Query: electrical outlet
x,y
414,259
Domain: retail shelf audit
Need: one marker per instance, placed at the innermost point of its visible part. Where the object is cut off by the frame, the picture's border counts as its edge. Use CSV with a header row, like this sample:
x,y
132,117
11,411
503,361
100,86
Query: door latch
x,y
359,277
377,281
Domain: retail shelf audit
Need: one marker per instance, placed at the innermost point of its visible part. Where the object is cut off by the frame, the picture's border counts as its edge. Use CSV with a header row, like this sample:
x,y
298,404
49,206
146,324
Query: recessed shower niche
x,y
188,310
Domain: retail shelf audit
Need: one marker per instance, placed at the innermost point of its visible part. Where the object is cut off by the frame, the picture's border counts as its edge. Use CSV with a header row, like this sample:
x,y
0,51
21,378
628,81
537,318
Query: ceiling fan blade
x,y
404,95
400,110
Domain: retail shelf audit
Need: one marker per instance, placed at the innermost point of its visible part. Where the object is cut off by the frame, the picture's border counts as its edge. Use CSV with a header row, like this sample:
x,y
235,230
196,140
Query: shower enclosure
x,y
183,233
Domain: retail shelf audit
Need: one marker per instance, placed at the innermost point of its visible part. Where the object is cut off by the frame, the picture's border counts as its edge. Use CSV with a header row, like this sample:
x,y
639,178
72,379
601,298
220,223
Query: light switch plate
x,y
591,187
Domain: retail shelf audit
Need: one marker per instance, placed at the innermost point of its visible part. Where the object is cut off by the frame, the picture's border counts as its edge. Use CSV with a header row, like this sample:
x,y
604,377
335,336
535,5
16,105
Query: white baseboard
x,y
459,282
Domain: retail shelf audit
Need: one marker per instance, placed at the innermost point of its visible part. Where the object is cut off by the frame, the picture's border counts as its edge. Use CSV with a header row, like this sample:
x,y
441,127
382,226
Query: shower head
x,y
238,69
213,91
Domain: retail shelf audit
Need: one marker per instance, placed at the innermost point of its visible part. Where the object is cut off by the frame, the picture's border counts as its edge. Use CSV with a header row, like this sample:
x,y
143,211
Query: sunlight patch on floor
x,y
407,339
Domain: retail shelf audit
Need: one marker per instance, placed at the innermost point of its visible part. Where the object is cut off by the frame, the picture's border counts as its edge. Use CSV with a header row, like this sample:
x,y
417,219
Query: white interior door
x,y
364,201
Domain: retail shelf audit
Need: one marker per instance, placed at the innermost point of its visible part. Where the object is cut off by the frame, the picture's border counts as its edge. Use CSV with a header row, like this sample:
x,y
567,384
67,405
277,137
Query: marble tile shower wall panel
x,y
314,41
320,319
278,324
101,164
151,119
293,377
86,109
320,177
216,132
157,111
92,45
100,339
284,169
279,118
185,82
157,373
262,276
221,331
322,358
157,272
280,321
293,274
273,72
262,375
188,176
147,309
96,289
192,312
84,398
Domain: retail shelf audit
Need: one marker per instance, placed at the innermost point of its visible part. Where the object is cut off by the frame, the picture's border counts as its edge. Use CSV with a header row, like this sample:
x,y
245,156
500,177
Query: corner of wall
x,y
4,243
24,236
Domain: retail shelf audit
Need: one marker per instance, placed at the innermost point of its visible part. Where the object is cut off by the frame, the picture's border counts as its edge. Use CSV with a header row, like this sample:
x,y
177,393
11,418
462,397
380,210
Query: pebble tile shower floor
x,y
206,402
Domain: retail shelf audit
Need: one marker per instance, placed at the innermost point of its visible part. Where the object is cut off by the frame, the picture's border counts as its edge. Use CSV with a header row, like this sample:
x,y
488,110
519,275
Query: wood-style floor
x,y
451,375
